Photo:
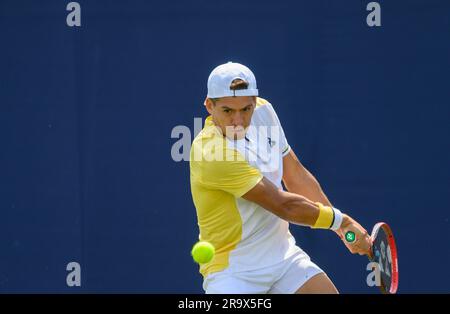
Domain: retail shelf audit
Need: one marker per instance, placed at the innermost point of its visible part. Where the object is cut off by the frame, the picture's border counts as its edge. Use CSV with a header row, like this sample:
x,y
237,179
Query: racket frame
x,y
394,256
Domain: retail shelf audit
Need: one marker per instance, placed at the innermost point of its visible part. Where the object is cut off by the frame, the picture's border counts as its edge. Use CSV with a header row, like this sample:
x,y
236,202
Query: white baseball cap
x,y
221,77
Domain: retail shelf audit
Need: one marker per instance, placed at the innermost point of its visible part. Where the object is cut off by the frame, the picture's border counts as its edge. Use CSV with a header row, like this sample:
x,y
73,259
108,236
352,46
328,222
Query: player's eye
x,y
226,110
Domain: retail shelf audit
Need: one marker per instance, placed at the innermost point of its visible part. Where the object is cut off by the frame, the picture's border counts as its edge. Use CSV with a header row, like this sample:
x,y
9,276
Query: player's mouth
x,y
235,132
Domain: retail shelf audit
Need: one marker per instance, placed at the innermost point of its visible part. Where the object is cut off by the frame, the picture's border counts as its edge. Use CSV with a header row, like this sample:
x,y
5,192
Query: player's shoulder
x,y
264,112
263,105
209,136
260,102
210,146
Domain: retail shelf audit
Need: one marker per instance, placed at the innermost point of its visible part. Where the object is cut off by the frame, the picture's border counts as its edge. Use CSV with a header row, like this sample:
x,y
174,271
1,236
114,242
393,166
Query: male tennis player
x,y
237,164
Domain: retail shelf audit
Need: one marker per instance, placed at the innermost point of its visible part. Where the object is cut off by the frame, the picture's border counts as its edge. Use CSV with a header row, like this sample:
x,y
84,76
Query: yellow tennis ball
x,y
203,252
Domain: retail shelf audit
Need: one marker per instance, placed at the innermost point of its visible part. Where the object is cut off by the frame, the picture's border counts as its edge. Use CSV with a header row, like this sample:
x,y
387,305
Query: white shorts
x,y
285,277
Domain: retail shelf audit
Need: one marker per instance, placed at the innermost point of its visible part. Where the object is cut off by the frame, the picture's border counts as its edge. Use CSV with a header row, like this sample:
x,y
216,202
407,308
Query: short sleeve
x,y
233,174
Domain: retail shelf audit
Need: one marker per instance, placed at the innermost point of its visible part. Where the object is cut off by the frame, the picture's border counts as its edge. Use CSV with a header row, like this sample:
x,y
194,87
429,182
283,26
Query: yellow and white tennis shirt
x,y
245,235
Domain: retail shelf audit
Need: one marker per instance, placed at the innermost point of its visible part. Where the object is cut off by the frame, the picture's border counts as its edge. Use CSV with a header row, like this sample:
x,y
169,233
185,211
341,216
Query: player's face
x,y
232,114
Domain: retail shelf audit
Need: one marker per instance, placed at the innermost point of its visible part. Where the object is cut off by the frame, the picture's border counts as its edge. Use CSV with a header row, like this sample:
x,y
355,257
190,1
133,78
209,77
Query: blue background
x,y
86,115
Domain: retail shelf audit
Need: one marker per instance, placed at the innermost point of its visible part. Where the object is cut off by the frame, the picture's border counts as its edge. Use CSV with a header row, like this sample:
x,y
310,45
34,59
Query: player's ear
x,y
209,105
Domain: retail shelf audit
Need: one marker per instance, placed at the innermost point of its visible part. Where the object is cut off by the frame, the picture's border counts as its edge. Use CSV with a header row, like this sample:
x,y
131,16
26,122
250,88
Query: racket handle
x,y
350,237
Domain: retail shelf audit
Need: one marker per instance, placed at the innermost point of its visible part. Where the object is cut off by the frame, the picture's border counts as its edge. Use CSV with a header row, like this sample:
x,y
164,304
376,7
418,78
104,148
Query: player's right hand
x,y
363,243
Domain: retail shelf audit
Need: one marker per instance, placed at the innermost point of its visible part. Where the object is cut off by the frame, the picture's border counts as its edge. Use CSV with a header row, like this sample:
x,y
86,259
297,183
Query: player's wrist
x,y
338,219
346,221
329,218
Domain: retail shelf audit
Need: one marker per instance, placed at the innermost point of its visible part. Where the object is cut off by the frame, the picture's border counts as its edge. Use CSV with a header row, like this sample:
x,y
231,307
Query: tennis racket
x,y
384,252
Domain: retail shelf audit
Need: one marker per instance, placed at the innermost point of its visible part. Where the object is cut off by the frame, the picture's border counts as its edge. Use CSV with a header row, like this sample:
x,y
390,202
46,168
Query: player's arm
x,y
300,210
297,179
288,206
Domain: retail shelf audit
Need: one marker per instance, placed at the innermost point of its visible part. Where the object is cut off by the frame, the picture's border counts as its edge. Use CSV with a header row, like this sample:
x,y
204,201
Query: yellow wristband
x,y
326,217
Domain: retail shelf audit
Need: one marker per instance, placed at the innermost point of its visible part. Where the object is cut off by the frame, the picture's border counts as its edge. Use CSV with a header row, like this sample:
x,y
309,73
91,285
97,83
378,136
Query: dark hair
x,y
236,84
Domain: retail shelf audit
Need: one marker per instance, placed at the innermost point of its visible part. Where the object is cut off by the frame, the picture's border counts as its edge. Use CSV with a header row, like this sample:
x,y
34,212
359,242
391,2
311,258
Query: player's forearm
x,y
299,210
293,207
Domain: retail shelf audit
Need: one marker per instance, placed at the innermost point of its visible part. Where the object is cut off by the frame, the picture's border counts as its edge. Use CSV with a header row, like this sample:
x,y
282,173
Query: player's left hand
x,y
363,242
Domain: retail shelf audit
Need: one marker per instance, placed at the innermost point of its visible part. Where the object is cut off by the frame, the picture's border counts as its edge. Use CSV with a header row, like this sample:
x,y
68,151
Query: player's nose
x,y
237,119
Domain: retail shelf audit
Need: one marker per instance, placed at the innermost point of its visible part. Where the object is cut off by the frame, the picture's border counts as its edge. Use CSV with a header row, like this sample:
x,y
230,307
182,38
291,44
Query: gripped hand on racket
x,y
355,237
